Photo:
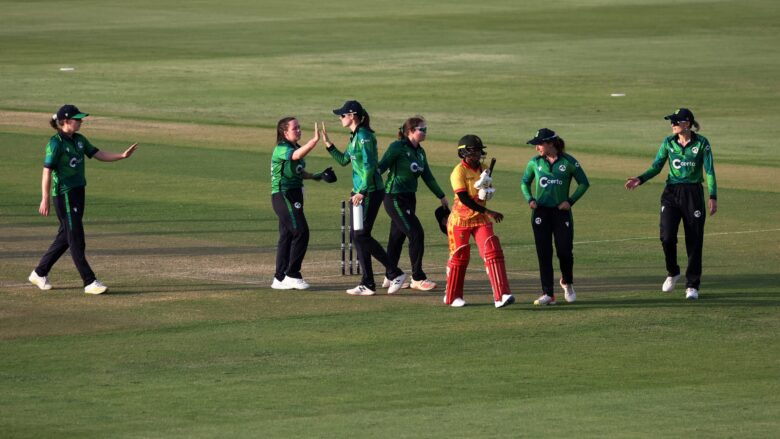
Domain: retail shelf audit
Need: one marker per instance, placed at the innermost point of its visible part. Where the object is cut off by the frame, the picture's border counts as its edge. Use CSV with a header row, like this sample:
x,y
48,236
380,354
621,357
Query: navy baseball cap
x,y
350,107
681,115
543,135
442,213
69,111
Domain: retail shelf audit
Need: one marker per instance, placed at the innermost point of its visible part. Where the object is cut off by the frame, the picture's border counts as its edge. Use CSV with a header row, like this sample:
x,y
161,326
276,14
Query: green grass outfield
x,y
191,341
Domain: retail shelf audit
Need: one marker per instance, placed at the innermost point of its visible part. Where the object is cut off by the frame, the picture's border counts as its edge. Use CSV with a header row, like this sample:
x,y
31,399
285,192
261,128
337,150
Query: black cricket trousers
x,y
293,233
405,224
367,246
683,202
549,223
70,212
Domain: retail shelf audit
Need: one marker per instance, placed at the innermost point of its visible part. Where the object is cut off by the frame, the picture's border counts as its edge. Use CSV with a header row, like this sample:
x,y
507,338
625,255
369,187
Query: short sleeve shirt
x,y
65,157
462,179
286,173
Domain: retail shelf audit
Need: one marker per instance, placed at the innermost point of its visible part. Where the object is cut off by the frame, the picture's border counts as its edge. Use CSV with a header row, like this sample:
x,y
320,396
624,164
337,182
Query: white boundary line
x,y
741,232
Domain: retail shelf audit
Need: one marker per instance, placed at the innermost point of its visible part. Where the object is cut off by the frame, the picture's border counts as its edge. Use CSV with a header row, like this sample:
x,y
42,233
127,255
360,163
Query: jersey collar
x,y
466,165
694,140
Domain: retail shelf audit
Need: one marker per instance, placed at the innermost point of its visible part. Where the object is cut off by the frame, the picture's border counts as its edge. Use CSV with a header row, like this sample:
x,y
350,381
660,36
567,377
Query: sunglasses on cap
x,y
345,115
677,122
422,129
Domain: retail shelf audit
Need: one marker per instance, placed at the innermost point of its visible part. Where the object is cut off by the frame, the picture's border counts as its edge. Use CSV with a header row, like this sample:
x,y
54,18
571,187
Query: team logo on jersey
x,y
81,145
299,169
706,147
363,141
567,223
695,150
74,162
562,168
297,205
538,221
544,181
697,213
416,168
576,164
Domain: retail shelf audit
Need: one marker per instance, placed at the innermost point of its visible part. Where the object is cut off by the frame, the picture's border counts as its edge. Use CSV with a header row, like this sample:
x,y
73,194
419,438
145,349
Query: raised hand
x,y
129,151
324,134
316,137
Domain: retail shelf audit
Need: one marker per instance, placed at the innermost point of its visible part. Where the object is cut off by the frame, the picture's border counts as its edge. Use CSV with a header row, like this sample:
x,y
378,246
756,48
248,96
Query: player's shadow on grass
x,y
716,290
126,290
152,251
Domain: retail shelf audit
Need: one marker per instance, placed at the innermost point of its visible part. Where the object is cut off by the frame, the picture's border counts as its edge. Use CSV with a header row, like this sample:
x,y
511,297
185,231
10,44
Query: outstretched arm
x,y
105,156
654,169
305,149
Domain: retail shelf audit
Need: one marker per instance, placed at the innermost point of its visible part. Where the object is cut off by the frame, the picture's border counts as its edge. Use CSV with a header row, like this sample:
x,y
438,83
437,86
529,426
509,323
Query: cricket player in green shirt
x,y
690,162
288,170
64,180
406,162
552,170
367,195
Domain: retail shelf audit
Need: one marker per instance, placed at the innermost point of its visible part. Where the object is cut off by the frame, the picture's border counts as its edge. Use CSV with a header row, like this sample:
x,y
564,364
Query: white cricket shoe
x,y
41,282
387,282
293,283
669,284
506,300
361,290
569,294
544,299
396,284
95,287
280,285
423,285
691,293
458,303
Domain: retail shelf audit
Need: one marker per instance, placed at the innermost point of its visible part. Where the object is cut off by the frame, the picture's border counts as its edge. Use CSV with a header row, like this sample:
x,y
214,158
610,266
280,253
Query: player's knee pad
x,y
495,267
456,273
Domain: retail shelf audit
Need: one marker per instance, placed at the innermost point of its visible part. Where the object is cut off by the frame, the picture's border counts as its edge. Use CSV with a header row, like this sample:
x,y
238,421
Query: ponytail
x,y
365,121
54,123
695,125
559,145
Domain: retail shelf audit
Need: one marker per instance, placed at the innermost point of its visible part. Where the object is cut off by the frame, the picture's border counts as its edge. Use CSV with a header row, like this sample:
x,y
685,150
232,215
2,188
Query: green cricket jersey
x,y
65,158
553,180
361,151
286,173
406,164
685,162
